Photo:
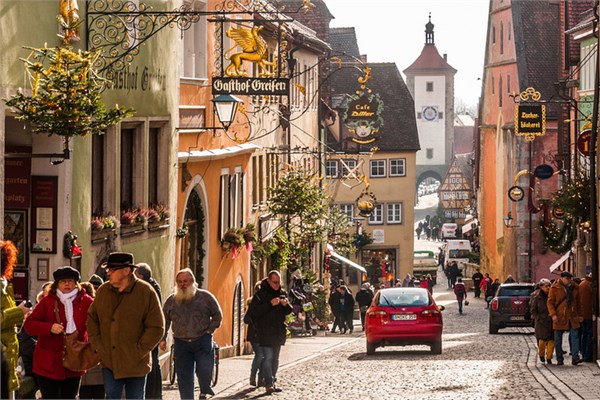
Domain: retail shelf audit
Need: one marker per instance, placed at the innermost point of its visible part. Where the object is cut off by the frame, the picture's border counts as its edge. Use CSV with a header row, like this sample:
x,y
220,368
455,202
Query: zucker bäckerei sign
x,y
530,121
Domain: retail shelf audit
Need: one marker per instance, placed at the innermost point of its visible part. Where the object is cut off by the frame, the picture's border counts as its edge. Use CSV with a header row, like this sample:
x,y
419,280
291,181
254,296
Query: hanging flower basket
x,y
232,240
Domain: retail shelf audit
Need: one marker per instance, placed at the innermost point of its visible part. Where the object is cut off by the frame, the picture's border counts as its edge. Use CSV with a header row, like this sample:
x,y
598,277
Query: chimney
x,y
445,57
363,58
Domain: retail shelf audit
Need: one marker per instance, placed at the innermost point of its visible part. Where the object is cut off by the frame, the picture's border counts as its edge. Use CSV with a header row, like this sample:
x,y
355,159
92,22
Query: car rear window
x,y
397,299
513,291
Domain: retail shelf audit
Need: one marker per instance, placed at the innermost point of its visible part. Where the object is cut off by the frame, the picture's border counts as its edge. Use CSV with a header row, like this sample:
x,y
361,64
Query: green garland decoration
x,y
559,239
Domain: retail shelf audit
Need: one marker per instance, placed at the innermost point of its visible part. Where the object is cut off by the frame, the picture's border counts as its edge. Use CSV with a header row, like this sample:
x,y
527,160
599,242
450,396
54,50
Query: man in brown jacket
x,y
125,322
565,310
586,299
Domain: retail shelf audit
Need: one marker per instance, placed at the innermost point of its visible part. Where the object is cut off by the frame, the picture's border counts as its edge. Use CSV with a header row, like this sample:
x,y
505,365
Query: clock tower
x,y
430,80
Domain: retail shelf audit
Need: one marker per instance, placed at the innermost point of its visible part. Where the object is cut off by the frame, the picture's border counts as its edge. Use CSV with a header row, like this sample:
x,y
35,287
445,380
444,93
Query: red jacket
x,y
48,353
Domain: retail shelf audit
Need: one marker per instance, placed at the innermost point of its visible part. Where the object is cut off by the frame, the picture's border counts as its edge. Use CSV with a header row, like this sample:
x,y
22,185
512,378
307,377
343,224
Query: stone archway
x,y
428,174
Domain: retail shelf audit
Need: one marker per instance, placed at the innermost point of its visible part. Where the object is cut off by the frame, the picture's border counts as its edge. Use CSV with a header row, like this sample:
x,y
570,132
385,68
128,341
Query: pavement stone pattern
x,y
473,365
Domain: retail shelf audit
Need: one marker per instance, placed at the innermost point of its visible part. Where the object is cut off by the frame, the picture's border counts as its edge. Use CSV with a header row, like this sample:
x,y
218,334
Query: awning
x,y
469,225
565,263
345,260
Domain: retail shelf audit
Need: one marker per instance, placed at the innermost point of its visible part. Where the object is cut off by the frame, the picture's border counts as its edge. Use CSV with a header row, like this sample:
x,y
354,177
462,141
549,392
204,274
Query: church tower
x,y
430,80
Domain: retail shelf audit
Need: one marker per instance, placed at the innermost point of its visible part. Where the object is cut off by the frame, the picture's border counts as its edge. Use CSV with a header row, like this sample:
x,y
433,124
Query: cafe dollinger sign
x,y
362,117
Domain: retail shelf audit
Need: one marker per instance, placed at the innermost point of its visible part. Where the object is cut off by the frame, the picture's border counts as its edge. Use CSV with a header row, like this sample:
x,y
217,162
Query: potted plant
x,y
249,237
182,232
158,216
232,239
103,226
132,221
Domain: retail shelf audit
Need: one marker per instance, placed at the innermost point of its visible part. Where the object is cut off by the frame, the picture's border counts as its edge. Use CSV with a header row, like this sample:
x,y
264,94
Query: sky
x,y
394,31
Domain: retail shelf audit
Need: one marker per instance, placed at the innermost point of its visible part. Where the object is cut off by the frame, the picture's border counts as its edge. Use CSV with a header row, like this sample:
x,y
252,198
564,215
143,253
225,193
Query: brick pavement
x,y
542,381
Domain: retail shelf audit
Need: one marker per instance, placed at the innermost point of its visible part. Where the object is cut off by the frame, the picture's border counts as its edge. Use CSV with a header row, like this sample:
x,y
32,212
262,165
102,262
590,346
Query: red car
x,y
404,316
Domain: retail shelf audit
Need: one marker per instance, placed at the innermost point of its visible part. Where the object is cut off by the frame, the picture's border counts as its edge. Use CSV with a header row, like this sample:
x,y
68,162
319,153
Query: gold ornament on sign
x,y
530,92
254,50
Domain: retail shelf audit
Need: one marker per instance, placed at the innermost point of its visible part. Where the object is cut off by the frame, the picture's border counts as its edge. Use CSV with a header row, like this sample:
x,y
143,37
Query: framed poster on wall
x,y
15,230
44,198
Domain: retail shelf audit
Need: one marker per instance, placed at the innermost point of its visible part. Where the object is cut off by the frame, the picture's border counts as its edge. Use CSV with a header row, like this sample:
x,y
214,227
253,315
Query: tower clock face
x,y
430,113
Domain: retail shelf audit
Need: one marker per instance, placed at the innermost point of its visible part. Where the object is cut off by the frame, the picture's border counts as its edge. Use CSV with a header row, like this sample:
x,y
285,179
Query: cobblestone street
x,y
473,365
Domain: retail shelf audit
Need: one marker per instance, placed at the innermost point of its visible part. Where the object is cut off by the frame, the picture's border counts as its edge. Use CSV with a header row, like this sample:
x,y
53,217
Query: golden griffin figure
x,y
254,50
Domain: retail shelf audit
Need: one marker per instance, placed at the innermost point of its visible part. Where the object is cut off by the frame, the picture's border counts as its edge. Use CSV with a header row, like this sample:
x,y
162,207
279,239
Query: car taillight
x,y
430,313
495,304
379,314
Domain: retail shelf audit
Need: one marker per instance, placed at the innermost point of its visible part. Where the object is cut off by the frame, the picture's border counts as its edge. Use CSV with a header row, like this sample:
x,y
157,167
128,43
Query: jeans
x,y
587,339
134,387
573,343
270,363
193,356
460,304
257,360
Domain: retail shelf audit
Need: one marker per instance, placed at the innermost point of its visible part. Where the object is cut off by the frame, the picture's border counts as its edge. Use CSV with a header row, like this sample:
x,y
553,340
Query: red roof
x,y
429,60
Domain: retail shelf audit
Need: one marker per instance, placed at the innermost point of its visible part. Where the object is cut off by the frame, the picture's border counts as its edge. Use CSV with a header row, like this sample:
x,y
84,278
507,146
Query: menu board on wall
x,y
44,198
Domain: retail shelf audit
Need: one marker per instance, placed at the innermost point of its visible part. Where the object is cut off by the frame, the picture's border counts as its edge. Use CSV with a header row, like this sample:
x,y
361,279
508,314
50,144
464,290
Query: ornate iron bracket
x,y
119,27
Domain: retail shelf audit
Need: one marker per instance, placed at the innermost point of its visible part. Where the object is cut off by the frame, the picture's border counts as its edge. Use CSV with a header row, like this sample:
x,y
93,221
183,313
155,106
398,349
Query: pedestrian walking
x,y
334,304
543,322
510,279
252,337
12,315
586,299
92,384
346,309
407,282
194,314
477,278
565,310
452,273
154,378
427,283
125,322
270,307
62,311
460,291
364,297
418,231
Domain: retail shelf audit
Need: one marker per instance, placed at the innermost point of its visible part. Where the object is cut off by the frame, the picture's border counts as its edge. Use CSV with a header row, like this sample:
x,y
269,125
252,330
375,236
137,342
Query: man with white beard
x,y
195,314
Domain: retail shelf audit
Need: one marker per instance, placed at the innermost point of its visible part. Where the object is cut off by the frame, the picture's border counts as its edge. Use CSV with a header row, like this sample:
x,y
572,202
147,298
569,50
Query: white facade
x,y
430,106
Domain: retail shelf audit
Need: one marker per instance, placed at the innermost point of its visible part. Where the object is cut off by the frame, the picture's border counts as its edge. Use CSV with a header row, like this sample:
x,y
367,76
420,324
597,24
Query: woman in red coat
x,y
55,381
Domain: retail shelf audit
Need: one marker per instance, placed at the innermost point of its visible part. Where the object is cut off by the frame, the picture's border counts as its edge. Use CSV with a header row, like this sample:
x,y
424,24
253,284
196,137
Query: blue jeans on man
x,y
194,356
270,364
256,361
135,388
573,343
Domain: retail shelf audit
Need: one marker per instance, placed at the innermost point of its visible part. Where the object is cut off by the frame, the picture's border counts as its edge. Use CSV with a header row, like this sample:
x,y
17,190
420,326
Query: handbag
x,y
466,302
77,355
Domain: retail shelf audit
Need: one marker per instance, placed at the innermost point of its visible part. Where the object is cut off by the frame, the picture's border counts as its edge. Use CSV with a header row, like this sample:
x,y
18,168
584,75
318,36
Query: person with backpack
x,y
461,294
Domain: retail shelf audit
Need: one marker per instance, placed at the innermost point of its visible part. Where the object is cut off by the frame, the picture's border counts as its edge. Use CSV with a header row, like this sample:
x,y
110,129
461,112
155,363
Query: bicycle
x,y
215,372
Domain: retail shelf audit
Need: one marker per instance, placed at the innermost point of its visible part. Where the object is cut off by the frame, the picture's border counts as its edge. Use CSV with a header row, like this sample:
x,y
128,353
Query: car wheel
x,y
436,347
371,348
493,329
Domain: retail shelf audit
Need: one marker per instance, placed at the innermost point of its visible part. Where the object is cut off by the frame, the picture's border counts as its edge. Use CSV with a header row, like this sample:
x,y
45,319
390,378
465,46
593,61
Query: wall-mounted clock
x,y
430,113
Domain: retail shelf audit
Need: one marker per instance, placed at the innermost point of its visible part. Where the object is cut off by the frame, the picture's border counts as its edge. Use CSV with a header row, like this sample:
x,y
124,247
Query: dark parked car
x,y
510,306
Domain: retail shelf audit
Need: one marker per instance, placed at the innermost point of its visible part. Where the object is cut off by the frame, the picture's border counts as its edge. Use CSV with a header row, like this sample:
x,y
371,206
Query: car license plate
x,y
517,318
404,317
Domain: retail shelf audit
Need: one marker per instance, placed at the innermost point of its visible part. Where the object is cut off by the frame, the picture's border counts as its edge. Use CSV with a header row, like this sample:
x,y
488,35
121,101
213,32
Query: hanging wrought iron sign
x,y
543,171
363,112
516,193
251,86
583,142
530,118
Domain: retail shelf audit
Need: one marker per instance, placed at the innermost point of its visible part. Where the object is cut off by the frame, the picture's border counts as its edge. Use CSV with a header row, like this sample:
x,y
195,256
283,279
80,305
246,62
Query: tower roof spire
x,y
429,32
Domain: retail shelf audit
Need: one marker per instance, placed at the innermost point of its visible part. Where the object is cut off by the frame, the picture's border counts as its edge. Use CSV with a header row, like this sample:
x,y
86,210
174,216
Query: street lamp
x,y
508,220
226,106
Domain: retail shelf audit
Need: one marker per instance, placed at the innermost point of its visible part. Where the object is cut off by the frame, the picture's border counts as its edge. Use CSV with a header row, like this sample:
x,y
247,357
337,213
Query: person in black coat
x,y
346,309
364,297
154,378
334,303
269,309
543,322
477,278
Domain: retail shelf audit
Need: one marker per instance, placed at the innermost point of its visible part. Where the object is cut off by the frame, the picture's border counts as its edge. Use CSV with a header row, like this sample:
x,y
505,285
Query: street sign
x,y
516,193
